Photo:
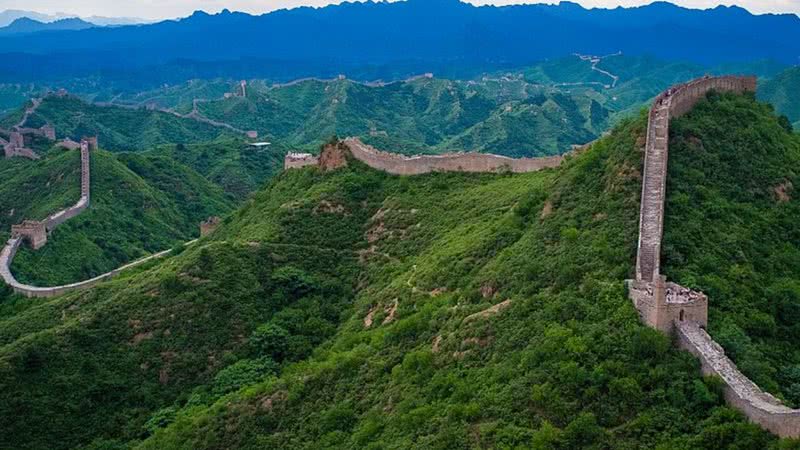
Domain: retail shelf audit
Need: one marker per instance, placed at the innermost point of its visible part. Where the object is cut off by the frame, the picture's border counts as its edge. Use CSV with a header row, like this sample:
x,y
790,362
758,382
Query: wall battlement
x,y
397,164
669,307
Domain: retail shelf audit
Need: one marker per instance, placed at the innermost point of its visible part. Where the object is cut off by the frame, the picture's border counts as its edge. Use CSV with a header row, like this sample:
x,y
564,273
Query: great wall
x,y
397,164
35,232
668,307
665,306
676,310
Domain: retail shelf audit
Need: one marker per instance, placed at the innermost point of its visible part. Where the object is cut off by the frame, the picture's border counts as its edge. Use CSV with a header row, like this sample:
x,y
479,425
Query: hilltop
x,y
352,308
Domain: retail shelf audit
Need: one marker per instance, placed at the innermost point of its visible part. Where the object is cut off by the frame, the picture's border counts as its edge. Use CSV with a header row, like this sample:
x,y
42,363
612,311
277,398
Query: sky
x,y
160,9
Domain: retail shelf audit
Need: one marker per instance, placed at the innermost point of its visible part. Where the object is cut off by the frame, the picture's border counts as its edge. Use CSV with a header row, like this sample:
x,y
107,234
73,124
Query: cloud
x,y
178,8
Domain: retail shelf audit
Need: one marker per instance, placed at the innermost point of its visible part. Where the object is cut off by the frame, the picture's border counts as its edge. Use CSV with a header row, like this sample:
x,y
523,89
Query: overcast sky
x,y
158,9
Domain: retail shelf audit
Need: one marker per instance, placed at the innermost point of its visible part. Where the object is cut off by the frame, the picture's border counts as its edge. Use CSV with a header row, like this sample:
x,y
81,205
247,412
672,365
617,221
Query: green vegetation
x,y
783,92
353,309
140,204
118,128
237,167
426,115
731,231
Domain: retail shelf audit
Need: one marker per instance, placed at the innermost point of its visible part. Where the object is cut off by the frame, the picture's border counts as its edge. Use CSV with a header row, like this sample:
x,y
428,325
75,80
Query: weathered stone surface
x,y
759,406
333,156
452,162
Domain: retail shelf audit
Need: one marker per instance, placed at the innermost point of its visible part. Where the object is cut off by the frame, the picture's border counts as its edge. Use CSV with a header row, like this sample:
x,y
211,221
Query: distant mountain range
x,y
405,37
25,25
9,16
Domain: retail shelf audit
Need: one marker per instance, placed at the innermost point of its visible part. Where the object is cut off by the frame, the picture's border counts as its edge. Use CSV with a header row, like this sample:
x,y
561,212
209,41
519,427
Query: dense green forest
x,y
354,309
731,231
542,109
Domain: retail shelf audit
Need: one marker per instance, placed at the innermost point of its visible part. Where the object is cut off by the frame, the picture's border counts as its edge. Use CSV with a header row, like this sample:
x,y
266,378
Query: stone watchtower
x,y
33,231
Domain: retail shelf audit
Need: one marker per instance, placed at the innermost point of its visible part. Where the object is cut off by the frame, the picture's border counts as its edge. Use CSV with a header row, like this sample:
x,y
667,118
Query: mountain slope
x,y
140,205
733,172
423,115
118,128
783,92
353,309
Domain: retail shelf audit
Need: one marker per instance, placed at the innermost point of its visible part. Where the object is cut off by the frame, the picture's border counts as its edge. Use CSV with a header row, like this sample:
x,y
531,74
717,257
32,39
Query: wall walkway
x,y
672,308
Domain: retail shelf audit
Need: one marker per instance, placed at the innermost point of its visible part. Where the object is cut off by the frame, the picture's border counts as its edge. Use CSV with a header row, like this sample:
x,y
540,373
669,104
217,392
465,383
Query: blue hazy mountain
x,y
413,34
25,25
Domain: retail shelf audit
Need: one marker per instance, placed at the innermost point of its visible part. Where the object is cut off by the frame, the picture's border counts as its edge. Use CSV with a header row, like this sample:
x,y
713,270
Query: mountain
x,y
783,92
10,15
141,204
421,115
410,36
118,128
354,309
25,25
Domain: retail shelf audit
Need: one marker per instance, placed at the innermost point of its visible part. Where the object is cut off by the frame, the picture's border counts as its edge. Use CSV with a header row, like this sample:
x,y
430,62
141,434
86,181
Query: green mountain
x,y
117,128
354,309
424,115
733,185
141,203
239,168
783,92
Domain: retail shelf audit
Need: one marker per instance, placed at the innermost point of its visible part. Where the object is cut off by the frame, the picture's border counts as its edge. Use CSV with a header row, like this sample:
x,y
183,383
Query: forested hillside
x,y
353,309
783,92
118,128
731,232
141,204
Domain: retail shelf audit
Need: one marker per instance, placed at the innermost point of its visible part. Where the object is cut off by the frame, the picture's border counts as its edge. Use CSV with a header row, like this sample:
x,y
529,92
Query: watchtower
x,y
33,231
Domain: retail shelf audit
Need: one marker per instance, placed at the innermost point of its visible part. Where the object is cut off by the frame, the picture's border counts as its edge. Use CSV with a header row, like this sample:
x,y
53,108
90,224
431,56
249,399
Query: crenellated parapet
x,y
674,309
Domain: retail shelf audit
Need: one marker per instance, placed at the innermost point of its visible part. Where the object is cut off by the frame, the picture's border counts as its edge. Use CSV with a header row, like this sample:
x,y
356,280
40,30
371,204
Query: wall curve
x,y
13,244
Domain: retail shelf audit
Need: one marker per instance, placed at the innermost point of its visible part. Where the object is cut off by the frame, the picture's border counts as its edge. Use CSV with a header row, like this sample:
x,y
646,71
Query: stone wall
x,y
299,160
669,307
759,406
16,147
673,102
62,216
453,162
36,233
661,304
7,256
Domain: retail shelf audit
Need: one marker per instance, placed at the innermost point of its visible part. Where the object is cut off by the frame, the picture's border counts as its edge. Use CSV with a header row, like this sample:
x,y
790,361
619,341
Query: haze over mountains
x,y
8,16
407,37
